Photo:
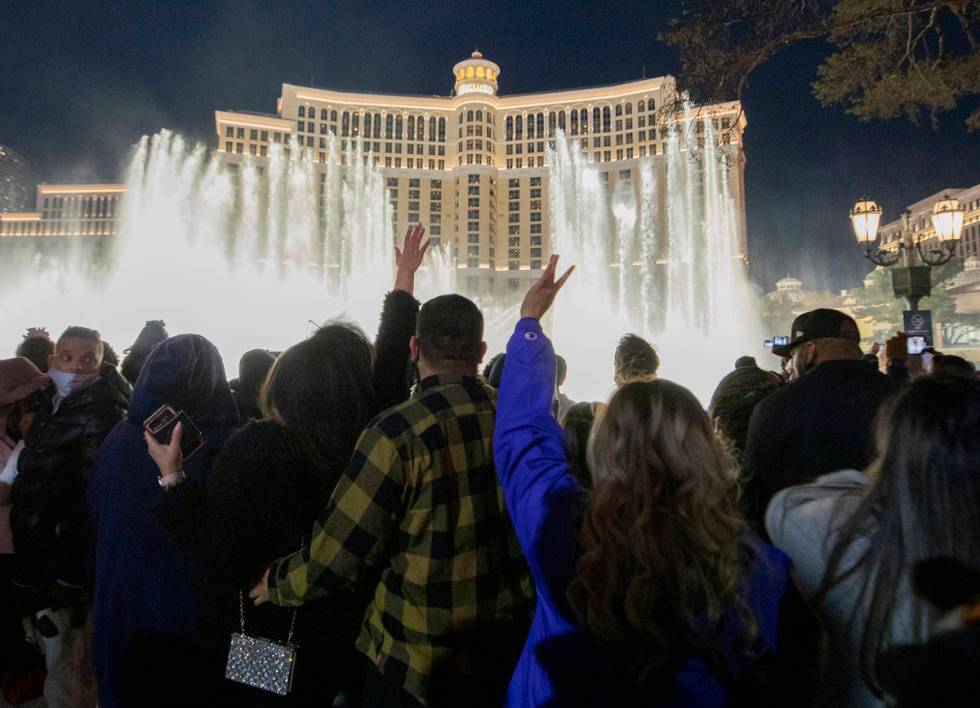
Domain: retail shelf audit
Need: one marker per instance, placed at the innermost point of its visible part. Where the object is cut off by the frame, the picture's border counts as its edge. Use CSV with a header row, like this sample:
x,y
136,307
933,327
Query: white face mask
x,y
68,383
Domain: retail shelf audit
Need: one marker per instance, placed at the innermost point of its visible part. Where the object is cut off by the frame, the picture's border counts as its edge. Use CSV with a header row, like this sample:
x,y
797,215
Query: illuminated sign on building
x,y
474,88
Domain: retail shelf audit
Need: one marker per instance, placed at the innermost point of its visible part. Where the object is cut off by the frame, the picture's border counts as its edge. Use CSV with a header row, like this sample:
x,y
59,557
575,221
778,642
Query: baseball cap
x,y
818,324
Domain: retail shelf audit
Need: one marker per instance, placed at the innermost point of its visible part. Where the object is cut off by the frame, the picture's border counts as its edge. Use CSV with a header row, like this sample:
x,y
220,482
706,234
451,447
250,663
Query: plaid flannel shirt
x,y
420,504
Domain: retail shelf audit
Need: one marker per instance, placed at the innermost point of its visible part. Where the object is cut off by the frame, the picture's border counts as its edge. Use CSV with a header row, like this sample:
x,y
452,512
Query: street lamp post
x,y
911,279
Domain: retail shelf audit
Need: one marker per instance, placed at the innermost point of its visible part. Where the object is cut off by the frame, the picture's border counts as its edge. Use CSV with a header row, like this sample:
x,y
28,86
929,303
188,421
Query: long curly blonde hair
x,y
662,555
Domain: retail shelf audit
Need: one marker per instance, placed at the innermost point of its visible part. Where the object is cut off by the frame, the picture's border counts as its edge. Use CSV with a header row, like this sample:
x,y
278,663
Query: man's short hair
x,y
635,358
90,335
450,329
561,369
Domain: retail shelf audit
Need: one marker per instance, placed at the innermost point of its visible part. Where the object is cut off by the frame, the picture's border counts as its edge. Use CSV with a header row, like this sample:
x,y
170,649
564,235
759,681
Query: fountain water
x,y
660,258
250,255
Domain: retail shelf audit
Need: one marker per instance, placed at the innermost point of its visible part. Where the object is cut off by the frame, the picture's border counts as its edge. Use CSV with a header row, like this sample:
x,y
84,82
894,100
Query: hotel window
x,y
239,148
509,149
520,163
253,134
536,240
552,123
472,250
535,181
472,213
309,141
514,206
651,104
389,123
398,162
535,205
367,125
442,151
442,131
561,120
309,127
530,126
472,262
229,132
540,121
513,265
435,196
302,111
619,124
240,133
536,193
473,202
643,150
629,138
513,253
473,179
355,127
399,124
606,141
398,148
277,137
573,126
629,153
535,253
619,109
606,119
229,147
514,241
513,229
514,218
514,193
518,127
642,136
300,126
345,124
619,139
264,151
535,216
411,127
606,155
510,164
265,136
323,143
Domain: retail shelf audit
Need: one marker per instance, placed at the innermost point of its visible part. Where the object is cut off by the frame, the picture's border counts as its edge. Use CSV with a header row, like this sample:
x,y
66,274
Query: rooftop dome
x,y
476,75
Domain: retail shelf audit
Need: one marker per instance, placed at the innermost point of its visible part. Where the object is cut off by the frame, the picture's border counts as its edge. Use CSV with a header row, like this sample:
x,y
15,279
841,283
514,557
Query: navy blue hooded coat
x,y
146,592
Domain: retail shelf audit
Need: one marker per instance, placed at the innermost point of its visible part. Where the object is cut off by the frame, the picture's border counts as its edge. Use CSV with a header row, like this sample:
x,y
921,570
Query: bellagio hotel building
x,y
471,166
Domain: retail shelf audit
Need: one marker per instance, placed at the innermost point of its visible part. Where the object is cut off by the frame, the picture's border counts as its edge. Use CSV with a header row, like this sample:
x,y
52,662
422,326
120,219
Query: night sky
x,y
80,82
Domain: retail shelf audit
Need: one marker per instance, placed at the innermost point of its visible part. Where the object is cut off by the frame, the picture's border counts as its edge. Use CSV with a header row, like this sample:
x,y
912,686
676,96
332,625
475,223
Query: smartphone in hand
x,y
161,425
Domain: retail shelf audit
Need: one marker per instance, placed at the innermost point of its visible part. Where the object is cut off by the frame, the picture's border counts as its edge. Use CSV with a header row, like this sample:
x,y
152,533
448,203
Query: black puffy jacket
x,y
48,497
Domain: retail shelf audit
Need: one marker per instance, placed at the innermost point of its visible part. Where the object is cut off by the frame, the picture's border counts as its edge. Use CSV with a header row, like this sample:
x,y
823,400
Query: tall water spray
x,y
247,256
660,258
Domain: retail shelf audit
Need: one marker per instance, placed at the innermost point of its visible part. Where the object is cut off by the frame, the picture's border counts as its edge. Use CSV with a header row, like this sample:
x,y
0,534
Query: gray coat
x,y
804,522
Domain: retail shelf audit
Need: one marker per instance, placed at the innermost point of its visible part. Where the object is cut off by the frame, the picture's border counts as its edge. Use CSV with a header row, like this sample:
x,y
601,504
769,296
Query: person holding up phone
x,y
147,591
272,478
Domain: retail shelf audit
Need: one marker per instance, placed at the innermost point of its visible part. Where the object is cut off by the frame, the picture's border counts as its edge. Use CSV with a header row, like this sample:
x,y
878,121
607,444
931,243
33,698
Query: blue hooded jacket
x,y
562,663
145,590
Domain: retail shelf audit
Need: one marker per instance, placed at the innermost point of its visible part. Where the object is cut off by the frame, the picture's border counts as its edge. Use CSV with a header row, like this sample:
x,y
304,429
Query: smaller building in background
x,y
788,289
61,210
921,221
14,178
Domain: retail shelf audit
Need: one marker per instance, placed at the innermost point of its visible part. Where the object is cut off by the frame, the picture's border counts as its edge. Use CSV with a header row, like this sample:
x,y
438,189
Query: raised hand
x,y
542,293
409,258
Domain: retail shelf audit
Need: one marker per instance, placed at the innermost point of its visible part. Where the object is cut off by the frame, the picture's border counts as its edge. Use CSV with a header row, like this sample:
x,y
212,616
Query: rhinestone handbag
x,y
259,662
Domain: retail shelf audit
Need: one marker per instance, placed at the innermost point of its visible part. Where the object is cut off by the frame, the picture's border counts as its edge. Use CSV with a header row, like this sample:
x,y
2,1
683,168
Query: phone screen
x,y
916,345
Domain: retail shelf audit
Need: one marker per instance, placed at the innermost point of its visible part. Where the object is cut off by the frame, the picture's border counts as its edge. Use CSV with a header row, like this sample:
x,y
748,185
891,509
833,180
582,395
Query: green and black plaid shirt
x,y
420,503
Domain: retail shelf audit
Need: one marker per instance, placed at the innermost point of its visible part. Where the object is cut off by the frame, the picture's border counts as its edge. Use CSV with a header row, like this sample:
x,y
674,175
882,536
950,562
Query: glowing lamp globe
x,y
865,217
947,219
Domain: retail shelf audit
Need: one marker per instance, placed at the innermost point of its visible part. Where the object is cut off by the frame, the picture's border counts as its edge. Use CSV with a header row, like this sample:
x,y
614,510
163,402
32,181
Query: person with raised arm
x,y
652,590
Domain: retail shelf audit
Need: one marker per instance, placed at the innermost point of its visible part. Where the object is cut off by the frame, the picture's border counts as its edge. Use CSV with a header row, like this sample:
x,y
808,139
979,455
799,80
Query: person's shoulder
x,y
257,437
810,509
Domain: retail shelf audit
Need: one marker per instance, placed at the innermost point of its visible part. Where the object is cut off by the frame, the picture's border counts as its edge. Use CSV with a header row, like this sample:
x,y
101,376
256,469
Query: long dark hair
x,y
661,558
923,501
320,391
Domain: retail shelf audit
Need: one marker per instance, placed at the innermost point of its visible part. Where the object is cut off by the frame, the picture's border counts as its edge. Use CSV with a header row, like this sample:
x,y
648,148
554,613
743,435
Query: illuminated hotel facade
x,y
471,166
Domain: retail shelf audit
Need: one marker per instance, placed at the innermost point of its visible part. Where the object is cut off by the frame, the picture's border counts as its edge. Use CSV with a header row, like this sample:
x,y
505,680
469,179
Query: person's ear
x,y
413,348
483,351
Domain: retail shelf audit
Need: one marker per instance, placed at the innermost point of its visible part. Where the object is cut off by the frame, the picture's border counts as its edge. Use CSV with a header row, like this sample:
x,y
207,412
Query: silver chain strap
x,y
241,608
